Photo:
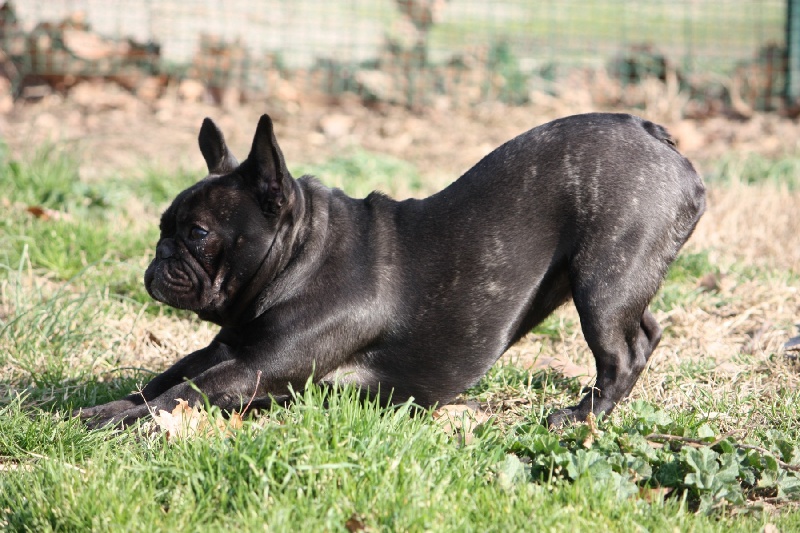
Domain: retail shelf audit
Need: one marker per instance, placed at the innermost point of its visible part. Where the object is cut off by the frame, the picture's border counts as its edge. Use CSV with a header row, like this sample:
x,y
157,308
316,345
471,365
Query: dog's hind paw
x,y
562,417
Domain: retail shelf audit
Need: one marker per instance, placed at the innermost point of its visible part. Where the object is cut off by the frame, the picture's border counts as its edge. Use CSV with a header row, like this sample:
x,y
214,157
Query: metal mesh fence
x,y
403,51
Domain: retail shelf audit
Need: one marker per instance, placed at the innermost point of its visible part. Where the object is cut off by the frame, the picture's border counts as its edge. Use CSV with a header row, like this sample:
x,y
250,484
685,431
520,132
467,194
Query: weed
x,y
504,63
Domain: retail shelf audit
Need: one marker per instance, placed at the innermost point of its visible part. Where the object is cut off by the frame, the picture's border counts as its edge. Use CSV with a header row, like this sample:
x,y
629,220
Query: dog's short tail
x,y
659,132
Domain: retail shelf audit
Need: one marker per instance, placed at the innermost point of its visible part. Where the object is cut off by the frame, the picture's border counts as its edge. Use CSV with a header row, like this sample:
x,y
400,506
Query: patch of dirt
x,y
114,132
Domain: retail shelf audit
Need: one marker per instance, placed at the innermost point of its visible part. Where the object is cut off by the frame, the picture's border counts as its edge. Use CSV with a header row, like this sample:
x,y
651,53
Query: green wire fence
x,y
411,52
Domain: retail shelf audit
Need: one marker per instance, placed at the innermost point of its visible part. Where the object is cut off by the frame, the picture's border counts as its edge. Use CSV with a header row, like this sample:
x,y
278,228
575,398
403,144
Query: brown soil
x,y
114,132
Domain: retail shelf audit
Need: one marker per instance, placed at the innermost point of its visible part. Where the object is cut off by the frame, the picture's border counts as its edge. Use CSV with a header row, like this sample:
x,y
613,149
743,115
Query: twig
x,y
255,391
698,442
689,440
764,451
150,410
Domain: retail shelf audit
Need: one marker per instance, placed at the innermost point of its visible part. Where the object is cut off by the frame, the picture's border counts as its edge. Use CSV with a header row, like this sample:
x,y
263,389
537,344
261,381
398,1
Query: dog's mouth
x,y
155,293
175,283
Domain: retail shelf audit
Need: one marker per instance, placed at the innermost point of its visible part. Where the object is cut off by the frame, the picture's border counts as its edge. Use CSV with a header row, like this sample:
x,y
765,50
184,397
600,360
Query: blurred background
x,y
411,78
411,52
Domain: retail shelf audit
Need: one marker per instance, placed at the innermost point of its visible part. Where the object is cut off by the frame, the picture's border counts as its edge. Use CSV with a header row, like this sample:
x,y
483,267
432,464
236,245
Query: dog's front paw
x,y
120,419
90,415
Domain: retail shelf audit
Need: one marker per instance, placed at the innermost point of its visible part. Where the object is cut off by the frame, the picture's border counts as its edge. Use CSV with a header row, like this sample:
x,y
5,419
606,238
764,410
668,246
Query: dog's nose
x,y
165,249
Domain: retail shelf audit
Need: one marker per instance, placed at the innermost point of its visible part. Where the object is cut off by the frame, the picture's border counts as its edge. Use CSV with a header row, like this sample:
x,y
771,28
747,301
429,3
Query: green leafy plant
x,y
503,62
651,450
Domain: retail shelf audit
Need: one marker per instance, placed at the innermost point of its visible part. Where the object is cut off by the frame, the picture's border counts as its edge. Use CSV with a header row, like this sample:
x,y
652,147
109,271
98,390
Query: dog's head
x,y
214,254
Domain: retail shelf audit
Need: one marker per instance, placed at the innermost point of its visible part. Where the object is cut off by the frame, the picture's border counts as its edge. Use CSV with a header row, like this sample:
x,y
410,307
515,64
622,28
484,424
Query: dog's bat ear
x,y
266,160
218,157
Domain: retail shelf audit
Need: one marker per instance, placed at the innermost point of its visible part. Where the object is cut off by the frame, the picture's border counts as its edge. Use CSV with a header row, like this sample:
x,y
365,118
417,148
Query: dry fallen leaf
x,y
460,419
709,283
182,422
656,494
235,421
354,523
150,336
186,422
38,212
45,213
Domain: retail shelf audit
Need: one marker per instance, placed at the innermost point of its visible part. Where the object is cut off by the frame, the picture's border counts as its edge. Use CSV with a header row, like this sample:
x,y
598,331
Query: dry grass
x,y
153,343
753,225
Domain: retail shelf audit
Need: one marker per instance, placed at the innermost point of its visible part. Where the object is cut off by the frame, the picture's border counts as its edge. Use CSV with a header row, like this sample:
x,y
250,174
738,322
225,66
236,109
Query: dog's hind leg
x,y
611,298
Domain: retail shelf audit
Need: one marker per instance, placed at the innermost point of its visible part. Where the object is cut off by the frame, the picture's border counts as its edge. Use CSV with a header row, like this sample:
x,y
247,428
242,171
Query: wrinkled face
x,y
214,238
217,234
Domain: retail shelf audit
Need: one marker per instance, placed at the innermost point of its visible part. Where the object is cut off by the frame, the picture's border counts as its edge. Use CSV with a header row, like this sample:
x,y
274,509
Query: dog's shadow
x,y
70,394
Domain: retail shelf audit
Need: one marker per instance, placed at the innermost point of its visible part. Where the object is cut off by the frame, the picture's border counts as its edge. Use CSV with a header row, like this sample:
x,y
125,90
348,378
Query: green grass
x,y
681,282
755,169
360,172
577,29
712,458
54,338
321,466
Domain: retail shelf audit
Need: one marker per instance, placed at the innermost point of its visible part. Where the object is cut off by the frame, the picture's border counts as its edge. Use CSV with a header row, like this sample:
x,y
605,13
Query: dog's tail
x,y
659,132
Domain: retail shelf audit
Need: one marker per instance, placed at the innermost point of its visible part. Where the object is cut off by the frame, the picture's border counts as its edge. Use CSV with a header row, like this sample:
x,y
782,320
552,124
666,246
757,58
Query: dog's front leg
x,y
228,385
189,367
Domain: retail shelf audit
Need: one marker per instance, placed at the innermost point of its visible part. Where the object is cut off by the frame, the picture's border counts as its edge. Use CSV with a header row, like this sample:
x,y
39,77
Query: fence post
x,y
792,51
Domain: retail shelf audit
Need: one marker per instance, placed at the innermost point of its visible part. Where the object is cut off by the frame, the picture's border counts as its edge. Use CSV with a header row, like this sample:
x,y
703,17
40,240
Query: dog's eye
x,y
197,233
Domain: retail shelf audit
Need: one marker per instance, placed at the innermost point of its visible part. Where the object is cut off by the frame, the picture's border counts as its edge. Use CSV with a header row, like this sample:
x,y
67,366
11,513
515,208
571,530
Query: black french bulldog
x,y
419,298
